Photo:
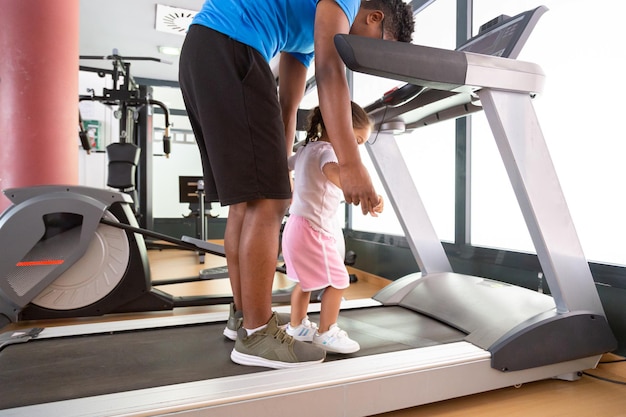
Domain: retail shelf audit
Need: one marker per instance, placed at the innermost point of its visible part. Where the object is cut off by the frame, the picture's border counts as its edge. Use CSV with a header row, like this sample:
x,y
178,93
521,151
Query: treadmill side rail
x,y
553,338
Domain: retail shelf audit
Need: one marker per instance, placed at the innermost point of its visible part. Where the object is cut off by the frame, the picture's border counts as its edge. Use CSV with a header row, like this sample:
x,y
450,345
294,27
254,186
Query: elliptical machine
x,y
72,251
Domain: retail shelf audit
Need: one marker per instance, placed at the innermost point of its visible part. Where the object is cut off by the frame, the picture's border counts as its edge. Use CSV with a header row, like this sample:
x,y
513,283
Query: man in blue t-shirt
x,y
245,130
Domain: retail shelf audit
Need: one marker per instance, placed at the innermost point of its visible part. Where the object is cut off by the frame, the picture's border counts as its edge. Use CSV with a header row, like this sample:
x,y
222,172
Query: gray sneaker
x,y
235,318
272,347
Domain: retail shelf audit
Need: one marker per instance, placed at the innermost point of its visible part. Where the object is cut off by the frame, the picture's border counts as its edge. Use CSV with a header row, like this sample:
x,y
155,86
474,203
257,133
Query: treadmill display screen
x,y
498,41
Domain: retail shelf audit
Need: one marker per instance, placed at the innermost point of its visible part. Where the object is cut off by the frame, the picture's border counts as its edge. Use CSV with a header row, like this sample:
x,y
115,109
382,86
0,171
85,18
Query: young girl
x,y
313,245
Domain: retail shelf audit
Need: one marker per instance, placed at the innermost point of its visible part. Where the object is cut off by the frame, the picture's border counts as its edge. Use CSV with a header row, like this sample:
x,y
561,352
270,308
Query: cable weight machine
x,y
130,159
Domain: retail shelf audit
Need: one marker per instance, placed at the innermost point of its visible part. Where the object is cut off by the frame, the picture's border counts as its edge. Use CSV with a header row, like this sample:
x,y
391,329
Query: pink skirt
x,y
312,257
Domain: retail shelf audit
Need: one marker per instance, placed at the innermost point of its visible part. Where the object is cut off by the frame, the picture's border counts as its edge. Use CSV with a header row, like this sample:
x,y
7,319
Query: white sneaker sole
x,y
339,349
230,334
250,360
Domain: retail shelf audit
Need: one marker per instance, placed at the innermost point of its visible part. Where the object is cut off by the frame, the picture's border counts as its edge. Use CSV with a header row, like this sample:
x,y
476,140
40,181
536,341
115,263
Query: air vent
x,y
173,19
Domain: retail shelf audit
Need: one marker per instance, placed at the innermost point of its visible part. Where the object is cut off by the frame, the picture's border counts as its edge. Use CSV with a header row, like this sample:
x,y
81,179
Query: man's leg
x,y
258,248
268,346
232,237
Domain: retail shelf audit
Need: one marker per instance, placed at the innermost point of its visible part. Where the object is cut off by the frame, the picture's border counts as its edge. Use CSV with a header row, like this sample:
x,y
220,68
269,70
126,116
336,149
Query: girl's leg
x,y
299,305
331,303
330,337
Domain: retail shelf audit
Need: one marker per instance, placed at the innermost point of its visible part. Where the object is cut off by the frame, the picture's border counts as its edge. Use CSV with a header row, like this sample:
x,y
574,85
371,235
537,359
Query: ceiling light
x,y
169,50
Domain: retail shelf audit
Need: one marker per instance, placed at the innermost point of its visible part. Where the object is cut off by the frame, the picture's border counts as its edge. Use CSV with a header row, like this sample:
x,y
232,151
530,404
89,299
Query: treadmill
x,y
426,337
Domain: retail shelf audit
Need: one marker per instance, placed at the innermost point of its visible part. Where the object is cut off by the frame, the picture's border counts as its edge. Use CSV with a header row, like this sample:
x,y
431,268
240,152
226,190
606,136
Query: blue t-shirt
x,y
269,26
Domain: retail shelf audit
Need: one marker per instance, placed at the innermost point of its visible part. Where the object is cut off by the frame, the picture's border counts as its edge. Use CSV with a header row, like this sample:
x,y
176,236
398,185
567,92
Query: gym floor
x,y
599,392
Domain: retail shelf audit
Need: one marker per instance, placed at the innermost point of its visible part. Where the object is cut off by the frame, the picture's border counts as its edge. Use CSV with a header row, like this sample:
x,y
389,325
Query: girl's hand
x,y
378,208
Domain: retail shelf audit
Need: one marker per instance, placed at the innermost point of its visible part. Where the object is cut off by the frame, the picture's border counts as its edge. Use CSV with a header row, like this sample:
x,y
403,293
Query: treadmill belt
x,y
56,369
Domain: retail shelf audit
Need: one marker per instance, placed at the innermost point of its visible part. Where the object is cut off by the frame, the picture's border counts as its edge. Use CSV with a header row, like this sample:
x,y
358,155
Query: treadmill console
x,y
506,37
503,36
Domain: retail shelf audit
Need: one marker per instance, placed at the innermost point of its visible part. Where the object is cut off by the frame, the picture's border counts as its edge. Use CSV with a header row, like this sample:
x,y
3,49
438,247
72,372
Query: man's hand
x,y
357,187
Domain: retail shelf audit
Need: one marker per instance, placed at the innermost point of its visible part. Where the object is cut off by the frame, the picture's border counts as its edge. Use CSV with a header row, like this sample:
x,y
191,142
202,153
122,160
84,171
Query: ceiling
x,y
130,28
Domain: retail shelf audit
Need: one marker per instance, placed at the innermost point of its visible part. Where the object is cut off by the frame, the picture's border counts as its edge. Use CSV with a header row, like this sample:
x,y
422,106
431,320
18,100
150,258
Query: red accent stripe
x,y
41,263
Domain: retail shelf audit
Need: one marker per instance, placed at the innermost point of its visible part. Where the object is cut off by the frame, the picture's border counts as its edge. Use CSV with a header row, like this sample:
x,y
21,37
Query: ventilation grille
x,y
173,19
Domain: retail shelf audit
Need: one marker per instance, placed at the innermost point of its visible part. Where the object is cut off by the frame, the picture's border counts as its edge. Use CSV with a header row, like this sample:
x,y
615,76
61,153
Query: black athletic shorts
x,y
231,98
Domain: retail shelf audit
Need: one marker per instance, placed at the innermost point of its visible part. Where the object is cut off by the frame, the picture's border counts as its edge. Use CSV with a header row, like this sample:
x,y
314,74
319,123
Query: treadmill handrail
x,y
437,68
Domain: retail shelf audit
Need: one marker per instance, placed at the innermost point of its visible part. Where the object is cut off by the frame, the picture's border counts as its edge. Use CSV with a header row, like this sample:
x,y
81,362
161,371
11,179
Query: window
x,y
429,152
580,122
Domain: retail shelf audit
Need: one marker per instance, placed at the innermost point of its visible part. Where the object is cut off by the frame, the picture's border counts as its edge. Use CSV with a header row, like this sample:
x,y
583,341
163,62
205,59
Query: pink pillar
x,y
38,93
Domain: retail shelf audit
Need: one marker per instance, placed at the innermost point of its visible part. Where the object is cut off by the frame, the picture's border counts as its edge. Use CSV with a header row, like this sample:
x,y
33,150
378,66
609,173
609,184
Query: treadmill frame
x,y
361,386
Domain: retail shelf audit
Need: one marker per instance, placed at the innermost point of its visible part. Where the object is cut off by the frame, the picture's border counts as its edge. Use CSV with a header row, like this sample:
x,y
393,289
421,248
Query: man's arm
x,y
331,172
334,99
291,84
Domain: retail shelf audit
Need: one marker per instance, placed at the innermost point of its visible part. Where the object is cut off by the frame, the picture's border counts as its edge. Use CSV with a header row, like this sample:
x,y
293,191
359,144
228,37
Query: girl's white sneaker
x,y
336,340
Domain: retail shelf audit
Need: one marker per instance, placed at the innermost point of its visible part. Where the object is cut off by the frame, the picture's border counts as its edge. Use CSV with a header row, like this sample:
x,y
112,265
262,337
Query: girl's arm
x,y
331,172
